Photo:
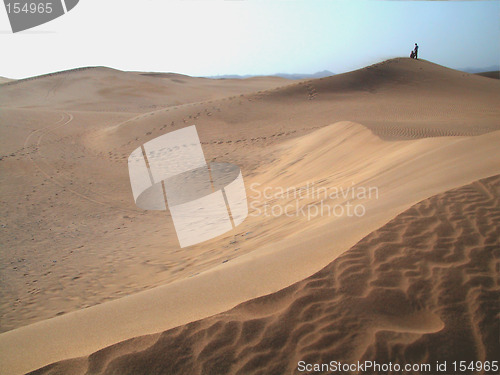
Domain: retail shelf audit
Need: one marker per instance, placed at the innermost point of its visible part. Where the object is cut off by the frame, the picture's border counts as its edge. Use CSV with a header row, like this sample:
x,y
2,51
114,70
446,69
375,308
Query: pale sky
x,y
214,37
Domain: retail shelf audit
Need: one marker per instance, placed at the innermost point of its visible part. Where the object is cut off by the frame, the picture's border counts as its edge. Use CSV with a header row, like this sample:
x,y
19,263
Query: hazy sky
x,y
213,37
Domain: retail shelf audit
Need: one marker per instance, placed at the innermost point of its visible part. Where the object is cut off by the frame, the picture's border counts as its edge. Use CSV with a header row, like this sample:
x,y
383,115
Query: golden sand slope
x,y
110,90
272,252
397,99
74,239
422,288
63,203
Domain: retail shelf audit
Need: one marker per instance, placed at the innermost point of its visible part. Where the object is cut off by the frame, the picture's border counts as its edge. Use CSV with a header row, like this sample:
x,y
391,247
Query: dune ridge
x,y
405,171
397,99
110,90
425,129
400,295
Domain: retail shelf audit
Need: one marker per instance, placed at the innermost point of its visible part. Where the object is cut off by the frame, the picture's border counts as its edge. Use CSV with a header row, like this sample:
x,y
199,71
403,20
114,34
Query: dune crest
x,y
399,295
115,272
404,171
105,89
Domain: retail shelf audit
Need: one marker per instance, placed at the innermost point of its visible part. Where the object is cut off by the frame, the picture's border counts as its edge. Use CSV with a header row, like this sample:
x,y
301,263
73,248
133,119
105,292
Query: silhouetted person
x,y
415,51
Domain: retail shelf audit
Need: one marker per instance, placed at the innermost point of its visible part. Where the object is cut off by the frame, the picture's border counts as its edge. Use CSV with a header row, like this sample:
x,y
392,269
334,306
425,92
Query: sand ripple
x,y
422,288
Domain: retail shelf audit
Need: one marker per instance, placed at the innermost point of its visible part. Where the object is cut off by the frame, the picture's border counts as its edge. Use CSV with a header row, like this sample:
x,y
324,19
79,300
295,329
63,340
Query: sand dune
x,y
397,99
5,80
400,295
269,247
80,251
110,90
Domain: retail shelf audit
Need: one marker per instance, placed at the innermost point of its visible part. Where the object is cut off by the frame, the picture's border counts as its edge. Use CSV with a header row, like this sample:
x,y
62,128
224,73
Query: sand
x,y
400,295
109,90
76,243
44,151
5,80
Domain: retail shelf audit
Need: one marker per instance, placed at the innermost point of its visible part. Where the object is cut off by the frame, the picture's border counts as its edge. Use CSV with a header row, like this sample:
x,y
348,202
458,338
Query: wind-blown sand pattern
x,y
421,289
78,257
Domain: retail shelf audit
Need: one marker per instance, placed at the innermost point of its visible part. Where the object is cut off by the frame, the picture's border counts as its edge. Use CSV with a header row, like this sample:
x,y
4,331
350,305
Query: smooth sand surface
x,y
75,238
110,90
58,188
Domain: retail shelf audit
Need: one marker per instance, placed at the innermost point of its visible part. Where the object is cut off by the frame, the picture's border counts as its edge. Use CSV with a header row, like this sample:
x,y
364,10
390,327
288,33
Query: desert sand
x,y
83,268
5,80
399,295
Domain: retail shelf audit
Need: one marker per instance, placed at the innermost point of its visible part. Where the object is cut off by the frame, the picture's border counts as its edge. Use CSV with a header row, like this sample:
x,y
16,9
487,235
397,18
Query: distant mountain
x,y
493,74
324,73
490,68
229,76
